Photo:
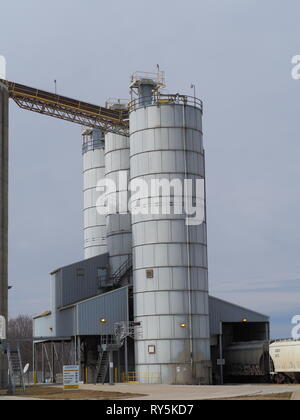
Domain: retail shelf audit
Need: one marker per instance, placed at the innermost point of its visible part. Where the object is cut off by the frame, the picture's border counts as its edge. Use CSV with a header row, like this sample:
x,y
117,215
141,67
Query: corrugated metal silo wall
x,y
119,230
166,142
93,172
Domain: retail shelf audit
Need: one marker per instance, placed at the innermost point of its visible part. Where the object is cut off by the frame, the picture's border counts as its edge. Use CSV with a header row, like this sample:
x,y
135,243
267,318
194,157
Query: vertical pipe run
x,y
3,220
126,359
221,354
188,250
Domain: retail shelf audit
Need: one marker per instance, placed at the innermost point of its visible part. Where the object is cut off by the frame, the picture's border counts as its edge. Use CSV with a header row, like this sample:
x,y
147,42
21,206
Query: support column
x,y
4,98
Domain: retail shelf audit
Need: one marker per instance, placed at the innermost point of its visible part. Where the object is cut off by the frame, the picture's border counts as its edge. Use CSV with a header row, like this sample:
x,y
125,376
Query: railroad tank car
x,y
285,355
248,359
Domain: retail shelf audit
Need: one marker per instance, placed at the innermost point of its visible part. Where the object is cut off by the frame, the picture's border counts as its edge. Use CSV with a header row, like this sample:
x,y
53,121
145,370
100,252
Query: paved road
x,y
177,392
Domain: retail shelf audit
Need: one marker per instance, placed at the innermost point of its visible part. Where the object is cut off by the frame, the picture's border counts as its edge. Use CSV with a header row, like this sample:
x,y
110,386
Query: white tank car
x,y
247,359
285,355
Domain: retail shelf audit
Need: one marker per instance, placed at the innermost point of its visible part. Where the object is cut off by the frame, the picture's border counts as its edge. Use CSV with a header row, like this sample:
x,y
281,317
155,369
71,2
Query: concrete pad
x,y
178,392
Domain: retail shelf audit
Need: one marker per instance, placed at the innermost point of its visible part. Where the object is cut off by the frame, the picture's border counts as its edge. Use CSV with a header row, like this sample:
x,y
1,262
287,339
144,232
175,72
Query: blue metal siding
x,y
66,323
72,287
113,306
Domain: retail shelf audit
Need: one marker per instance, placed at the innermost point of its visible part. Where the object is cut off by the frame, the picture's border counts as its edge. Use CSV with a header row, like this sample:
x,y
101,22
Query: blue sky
x,y
238,53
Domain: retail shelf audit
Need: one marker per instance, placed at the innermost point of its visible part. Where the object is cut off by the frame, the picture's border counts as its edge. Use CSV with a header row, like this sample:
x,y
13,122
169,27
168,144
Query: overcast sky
x,y
238,53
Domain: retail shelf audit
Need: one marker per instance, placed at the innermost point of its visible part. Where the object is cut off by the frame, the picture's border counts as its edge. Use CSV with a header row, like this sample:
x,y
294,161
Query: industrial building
x,y
138,306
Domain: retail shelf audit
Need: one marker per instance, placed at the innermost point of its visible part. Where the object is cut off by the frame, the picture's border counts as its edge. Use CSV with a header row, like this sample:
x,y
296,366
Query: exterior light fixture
x,y
103,321
152,349
245,320
183,325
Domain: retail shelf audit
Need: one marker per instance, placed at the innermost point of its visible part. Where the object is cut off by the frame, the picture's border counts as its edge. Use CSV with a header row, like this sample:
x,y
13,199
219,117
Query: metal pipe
x,y
4,146
126,358
111,368
43,366
221,353
188,253
34,361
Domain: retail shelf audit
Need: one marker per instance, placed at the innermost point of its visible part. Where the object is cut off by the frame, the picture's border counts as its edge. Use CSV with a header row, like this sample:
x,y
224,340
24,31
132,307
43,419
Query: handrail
x,y
161,99
122,270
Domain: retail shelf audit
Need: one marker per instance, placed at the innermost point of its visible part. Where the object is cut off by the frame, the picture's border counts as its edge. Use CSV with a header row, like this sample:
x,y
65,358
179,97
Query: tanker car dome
x,y
2,67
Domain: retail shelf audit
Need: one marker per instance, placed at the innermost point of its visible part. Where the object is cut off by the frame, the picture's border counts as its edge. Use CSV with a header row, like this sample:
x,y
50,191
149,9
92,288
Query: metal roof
x,y
222,311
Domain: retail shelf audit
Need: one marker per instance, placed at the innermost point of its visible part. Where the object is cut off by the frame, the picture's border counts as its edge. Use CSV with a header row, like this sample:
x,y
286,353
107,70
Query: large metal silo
x,y
93,172
170,273
119,233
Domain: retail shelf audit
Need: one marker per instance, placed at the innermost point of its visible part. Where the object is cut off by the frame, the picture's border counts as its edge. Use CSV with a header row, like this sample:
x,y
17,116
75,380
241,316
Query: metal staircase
x,y
122,271
115,279
15,368
102,366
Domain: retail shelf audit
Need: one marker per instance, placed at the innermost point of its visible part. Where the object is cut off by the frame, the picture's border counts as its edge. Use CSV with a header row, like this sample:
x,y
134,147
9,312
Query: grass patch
x,y
57,393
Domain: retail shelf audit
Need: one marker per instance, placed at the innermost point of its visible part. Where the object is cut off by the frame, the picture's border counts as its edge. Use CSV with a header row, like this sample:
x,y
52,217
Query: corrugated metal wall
x,y
44,327
78,281
112,306
84,318
66,323
221,311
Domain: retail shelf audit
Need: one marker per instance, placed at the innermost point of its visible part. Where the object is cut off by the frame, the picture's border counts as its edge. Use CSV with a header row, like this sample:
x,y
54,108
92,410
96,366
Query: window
x,y
80,272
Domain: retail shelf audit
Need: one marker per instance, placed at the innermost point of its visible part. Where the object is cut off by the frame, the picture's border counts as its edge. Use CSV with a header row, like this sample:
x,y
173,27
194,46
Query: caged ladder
x,y
15,368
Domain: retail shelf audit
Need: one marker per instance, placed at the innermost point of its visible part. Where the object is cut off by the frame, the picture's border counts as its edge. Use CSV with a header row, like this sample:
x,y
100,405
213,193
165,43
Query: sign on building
x,y
71,377
2,328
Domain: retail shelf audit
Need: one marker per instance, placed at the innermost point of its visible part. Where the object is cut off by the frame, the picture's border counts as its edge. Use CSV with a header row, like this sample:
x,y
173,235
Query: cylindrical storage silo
x,y
170,273
93,172
118,220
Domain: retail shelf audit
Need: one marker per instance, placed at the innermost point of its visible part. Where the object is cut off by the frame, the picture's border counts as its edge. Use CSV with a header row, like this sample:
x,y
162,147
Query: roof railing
x,y
165,99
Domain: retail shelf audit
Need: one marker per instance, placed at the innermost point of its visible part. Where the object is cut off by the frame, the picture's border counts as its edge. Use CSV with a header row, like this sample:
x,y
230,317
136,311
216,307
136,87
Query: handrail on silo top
x,y
163,99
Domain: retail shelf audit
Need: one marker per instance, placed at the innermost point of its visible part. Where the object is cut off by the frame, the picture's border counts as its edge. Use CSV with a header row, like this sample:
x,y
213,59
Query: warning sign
x,y
71,377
